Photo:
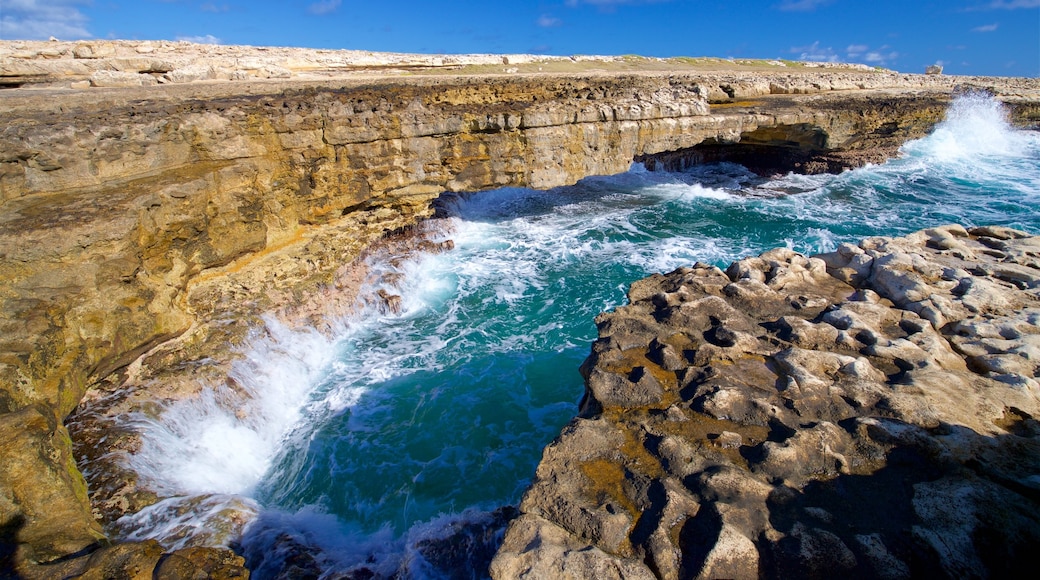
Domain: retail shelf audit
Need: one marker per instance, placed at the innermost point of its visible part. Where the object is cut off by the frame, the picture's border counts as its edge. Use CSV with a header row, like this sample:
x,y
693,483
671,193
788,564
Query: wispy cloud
x,y
546,21
863,53
207,39
880,57
985,28
1004,5
214,8
815,52
610,4
324,7
1013,4
41,19
855,50
802,5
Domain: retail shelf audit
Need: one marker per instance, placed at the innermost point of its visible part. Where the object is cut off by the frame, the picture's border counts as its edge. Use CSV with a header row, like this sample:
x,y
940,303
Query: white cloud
x,y
611,3
986,28
855,50
207,39
814,52
214,8
324,7
880,58
41,19
863,53
802,5
1004,5
546,21
1013,4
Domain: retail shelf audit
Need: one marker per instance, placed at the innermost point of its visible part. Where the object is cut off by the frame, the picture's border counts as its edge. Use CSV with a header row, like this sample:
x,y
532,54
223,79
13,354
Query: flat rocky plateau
x,y
871,412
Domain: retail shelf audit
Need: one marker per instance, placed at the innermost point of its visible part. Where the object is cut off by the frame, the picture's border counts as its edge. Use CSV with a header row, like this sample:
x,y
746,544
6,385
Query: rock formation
x,y
145,230
867,413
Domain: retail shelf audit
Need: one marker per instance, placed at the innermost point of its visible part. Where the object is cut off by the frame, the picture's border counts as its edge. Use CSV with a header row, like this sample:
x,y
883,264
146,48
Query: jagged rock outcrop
x,y
145,230
867,413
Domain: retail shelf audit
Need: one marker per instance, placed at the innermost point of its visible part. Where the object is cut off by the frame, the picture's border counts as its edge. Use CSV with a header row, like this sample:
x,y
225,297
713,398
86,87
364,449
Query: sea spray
x,y
222,440
976,128
205,454
439,412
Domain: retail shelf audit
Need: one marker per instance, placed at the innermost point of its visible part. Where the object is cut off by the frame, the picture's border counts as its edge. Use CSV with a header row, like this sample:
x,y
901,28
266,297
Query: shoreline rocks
x,y
872,412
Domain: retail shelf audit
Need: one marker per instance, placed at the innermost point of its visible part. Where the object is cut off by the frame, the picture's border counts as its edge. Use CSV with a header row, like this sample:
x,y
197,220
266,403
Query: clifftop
x,y
122,63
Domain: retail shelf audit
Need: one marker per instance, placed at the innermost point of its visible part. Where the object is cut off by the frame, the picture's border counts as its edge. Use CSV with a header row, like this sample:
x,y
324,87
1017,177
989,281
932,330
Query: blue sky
x,y
992,37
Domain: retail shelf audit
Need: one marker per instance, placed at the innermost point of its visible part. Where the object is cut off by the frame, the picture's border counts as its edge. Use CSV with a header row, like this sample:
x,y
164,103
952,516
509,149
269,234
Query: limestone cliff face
x,y
163,221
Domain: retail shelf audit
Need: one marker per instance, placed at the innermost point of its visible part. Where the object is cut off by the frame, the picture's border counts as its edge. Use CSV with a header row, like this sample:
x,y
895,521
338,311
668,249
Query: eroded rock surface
x,y
866,413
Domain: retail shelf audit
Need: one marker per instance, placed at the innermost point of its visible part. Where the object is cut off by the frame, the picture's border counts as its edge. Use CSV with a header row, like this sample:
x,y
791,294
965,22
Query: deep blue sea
x,y
363,443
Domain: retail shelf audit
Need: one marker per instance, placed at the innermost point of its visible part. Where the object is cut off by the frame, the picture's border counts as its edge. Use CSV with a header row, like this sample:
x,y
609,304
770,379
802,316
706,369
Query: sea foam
x,y
222,441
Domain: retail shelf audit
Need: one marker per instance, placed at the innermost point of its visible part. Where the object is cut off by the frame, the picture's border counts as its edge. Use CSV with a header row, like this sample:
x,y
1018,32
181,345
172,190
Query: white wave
x,y
223,440
213,520
976,126
310,535
688,192
278,537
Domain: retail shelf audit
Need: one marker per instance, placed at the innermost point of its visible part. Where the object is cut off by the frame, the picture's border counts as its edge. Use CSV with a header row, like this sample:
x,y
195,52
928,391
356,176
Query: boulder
x,y
44,512
120,79
191,73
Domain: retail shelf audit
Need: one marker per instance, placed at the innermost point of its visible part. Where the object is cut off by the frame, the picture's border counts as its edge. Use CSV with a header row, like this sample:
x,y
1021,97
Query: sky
x,y
978,37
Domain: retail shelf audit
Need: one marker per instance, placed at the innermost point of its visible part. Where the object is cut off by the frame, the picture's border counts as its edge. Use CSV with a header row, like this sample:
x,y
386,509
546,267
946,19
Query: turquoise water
x,y
443,409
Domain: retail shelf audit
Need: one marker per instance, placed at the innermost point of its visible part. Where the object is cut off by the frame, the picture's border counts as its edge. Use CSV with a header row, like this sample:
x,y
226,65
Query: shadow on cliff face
x,y
9,546
862,511
926,513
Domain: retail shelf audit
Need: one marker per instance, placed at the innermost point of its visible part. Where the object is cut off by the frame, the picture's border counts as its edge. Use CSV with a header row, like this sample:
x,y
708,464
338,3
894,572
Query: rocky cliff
x,y
144,231
867,413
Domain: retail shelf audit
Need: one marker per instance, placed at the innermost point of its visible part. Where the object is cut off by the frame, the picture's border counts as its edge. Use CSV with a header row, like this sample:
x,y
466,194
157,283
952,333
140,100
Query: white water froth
x,y
688,191
338,548
208,453
185,521
976,126
222,441
276,536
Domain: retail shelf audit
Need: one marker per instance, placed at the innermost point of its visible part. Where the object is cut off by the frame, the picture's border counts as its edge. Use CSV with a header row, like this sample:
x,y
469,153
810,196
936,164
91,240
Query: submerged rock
x,y
866,413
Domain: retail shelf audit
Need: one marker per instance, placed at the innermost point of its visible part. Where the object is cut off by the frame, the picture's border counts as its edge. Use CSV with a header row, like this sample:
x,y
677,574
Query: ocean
x,y
363,445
